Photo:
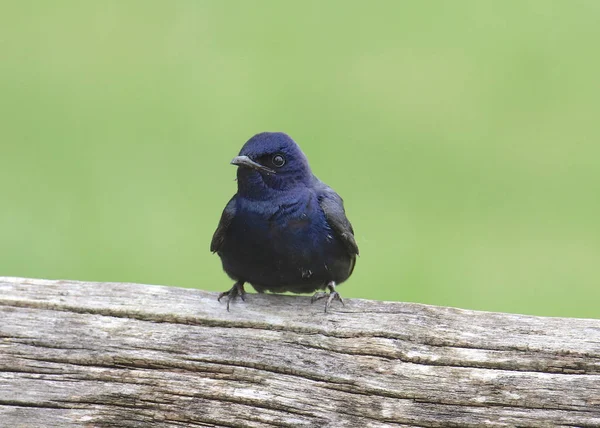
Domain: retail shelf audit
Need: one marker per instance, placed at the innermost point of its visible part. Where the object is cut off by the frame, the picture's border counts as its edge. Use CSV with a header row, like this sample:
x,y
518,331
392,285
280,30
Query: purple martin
x,y
284,229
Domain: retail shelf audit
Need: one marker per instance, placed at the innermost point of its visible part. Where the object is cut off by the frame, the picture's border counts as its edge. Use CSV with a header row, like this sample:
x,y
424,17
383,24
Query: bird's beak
x,y
249,163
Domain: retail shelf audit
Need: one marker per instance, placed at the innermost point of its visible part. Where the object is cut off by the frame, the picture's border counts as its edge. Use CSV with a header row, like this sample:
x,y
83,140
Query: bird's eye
x,y
278,160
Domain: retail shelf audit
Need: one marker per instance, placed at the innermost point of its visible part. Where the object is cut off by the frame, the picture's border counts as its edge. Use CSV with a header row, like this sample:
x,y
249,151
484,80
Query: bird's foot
x,y
331,296
233,293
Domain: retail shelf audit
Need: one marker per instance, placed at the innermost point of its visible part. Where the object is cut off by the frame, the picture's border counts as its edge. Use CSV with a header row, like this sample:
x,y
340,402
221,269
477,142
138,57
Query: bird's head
x,y
270,161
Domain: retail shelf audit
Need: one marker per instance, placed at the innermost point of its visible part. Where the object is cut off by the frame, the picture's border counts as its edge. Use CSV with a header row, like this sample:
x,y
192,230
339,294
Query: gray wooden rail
x,y
130,355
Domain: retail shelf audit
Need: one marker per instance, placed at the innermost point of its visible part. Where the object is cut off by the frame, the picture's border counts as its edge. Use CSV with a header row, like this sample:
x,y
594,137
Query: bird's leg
x,y
331,296
233,293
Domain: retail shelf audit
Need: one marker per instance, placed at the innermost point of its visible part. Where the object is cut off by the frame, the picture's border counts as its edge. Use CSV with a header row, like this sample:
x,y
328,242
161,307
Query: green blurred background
x,y
464,137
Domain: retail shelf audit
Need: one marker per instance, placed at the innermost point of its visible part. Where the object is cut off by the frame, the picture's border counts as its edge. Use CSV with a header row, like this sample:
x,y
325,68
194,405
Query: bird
x,y
284,230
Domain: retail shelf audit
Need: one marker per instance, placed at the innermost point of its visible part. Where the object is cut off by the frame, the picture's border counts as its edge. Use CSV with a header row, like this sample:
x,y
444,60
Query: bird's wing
x,y
219,236
333,206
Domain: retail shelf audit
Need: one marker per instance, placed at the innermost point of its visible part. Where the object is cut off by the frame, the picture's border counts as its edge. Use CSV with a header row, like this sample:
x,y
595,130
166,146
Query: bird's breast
x,y
291,231
289,242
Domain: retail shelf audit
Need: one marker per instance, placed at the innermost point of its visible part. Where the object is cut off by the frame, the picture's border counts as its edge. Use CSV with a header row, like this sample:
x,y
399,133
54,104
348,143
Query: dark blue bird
x,y
284,229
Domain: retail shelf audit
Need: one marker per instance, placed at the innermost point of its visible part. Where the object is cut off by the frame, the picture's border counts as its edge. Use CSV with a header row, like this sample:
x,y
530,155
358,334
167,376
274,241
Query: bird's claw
x,y
318,296
233,293
331,296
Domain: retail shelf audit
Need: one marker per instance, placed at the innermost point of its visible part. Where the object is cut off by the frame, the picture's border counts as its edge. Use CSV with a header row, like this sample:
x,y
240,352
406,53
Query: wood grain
x,y
129,355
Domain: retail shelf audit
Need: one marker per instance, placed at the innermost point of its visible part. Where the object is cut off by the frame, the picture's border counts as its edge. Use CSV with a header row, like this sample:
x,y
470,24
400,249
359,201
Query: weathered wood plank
x,y
130,355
